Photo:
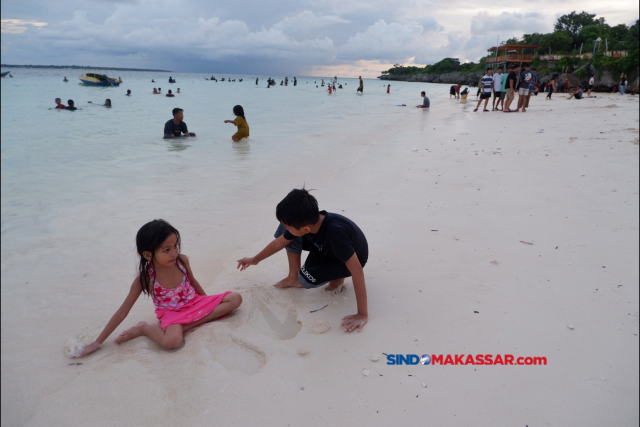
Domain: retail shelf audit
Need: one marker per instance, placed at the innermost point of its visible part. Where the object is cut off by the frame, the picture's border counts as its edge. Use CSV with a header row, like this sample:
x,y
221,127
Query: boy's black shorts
x,y
318,269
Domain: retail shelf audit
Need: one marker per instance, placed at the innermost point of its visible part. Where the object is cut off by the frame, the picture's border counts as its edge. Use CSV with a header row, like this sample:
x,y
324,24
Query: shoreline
x,y
485,182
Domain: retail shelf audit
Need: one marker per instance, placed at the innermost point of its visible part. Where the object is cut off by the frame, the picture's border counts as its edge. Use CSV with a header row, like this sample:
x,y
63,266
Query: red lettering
x,y
488,359
539,360
508,359
448,360
520,361
528,361
459,359
498,360
479,359
436,359
469,360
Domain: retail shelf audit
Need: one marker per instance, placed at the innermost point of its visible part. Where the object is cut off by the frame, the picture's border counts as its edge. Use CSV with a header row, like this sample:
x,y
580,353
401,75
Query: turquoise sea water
x,y
57,163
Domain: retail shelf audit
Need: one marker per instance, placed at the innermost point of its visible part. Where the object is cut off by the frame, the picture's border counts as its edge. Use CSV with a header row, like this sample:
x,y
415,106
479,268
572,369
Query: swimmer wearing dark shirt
x,y
71,105
176,127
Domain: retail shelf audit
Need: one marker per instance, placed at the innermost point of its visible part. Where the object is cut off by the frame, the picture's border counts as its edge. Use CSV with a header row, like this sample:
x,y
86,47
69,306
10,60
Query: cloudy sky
x,y
303,37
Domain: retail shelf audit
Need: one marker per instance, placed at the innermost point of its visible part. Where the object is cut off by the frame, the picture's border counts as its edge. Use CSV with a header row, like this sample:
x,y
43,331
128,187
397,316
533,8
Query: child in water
x,y
241,122
165,274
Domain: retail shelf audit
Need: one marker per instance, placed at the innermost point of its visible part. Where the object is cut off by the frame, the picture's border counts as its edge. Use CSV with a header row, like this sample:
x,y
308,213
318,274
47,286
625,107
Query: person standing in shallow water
x,y
361,88
241,122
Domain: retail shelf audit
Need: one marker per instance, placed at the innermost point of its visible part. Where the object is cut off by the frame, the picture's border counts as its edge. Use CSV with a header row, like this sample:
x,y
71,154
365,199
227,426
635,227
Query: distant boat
x,y
93,79
4,74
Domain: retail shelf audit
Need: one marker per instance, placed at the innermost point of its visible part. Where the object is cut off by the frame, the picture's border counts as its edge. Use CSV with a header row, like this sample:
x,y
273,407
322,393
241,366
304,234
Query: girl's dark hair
x,y
239,111
107,101
149,238
298,209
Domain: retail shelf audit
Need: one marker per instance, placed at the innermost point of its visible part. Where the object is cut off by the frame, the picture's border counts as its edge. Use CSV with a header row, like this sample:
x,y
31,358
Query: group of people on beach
x,y
504,87
337,249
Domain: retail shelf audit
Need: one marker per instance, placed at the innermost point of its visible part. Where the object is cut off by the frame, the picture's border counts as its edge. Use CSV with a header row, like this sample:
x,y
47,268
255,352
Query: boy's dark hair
x,y
490,68
70,102
298,209
176,111
501,68
423,93
239,111
149,238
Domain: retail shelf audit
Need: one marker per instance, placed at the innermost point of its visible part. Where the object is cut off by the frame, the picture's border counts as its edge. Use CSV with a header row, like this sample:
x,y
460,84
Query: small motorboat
x,y
94,79
4,74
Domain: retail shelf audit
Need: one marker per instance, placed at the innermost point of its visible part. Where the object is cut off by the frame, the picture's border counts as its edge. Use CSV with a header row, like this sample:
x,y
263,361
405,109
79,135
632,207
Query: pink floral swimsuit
x,y
172,299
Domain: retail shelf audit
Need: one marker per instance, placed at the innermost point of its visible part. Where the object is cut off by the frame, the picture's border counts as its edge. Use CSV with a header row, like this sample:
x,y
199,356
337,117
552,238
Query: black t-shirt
x,y
70,108
512,77
170,128
526,78
338,238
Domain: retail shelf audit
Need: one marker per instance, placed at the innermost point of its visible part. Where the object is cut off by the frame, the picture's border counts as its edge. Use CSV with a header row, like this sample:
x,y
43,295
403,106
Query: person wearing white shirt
x,y
497,87
592,83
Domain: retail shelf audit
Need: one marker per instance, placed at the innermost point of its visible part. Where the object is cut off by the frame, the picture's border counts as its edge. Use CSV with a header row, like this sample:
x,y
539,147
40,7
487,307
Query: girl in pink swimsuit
x,y
165,274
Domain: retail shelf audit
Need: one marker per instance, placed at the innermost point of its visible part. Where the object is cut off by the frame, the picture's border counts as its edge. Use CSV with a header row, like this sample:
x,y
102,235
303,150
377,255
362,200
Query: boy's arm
x,y
357,274
273,247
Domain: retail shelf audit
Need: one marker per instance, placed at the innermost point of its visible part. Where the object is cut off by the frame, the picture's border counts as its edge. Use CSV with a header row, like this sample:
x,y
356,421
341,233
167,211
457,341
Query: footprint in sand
x,y
276,321
241,356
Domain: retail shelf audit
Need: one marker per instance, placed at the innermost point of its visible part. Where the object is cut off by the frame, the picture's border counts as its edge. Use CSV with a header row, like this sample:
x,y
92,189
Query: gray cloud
x,y
252,36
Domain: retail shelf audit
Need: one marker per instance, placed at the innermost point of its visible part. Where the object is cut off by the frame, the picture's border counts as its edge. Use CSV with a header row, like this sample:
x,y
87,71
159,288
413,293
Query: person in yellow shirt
x,y
241,123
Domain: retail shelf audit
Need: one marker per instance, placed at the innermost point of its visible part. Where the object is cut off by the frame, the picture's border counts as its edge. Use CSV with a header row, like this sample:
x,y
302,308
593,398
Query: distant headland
x,y
79,67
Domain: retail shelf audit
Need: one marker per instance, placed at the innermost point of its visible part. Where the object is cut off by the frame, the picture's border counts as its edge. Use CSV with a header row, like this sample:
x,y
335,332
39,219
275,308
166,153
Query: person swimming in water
x,y
128,92
59,105
169,94
65,79
107,103
71,106
176,127
241,123
155,91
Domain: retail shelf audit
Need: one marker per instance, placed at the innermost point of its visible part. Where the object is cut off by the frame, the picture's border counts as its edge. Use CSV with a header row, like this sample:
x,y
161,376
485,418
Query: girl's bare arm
x,y
192,279
117,318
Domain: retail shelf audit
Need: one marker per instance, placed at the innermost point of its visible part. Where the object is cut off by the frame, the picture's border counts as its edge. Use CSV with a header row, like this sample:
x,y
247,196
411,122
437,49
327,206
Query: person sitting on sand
x,y
176,127
165,274
128,92
241,122
577,94
487,87
425,102
169,94
59,104
107,103
71,106
337,249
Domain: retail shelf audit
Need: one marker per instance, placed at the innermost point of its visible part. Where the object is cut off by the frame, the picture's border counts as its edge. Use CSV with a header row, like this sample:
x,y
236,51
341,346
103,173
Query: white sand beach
x,y
446,199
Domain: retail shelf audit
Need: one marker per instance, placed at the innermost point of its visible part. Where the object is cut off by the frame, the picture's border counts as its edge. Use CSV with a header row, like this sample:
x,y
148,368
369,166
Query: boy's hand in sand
x,y
244,263
90,348
355,321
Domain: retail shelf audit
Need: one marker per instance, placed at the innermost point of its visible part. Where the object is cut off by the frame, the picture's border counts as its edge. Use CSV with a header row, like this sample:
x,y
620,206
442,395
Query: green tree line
x,y
571,32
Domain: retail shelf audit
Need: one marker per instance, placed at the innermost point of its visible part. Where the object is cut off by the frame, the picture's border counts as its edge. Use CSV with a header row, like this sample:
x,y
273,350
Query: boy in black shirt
x,y
176,127
337,249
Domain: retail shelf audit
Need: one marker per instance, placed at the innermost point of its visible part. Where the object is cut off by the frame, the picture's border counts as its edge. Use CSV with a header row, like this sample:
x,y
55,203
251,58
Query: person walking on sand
x,y
361,87
425,101
165,274
526,78
497,89
512,78
623,83
592,83
552,86
241,122
337,249
487,87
